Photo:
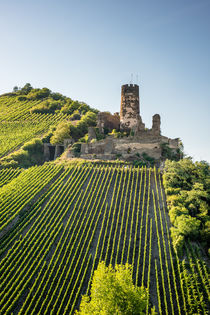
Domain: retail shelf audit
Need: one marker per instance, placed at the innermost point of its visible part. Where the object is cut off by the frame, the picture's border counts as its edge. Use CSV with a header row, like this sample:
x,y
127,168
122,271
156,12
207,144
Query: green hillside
x,y
29,114
58,223
59,219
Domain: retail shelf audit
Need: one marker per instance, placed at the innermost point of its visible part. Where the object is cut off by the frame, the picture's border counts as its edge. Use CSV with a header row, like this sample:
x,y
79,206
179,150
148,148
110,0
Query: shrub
x,y
76,149
22,98
67,130
47,137
37,94
62,132
187,186
30,154
75,116
46,107
113,292
188,226
176,211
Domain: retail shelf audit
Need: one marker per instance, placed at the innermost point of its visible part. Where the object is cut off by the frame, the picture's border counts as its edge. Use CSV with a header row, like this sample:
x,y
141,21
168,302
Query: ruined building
x,y
129,110
130,118
140,141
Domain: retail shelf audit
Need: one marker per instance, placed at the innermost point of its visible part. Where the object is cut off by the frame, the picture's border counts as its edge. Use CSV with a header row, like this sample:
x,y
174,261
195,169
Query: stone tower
x,y
156,124
129,110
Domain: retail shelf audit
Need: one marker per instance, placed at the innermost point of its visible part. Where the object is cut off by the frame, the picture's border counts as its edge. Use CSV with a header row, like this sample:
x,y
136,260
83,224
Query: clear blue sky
x,y
86,49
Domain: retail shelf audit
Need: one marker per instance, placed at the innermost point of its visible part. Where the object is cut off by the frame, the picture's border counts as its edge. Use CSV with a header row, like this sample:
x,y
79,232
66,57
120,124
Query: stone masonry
x,y
129,110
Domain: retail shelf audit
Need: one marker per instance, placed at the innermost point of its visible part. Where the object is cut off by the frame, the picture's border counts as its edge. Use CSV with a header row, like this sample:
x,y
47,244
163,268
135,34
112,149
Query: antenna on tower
x,y
131,81
137,79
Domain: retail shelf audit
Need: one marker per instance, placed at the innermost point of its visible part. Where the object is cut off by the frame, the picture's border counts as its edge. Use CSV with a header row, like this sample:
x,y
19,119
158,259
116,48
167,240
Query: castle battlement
x,y
130,85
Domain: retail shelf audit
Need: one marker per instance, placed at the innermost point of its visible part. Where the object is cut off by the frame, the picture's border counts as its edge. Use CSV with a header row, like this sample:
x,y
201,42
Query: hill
x,y
58,223
59,219
28,114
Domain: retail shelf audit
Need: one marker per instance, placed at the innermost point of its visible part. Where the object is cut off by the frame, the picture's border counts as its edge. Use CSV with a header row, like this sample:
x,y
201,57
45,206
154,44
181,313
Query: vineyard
x,y
18,125
57,224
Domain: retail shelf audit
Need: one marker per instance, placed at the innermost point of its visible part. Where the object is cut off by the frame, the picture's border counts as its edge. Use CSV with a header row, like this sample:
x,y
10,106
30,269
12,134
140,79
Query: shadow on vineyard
x,y
84,215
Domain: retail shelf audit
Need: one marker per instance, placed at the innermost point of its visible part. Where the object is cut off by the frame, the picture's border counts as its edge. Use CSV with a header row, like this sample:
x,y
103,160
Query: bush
x,y
113,292
30,154
67,130
38,94
26,89
62,132
70,107
22,98
187,186
76,149
75,116
188,226
46,107
47,137
176,211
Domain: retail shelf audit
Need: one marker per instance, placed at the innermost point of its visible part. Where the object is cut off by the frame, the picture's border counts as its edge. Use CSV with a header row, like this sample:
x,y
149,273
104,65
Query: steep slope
x,y
77,216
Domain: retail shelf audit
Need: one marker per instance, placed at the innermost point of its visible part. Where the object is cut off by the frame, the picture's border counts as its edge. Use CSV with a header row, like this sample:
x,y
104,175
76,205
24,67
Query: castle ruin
x,y
139,140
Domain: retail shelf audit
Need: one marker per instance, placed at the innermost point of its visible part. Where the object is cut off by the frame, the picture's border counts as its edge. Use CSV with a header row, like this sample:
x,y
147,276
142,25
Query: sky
x,y
87,49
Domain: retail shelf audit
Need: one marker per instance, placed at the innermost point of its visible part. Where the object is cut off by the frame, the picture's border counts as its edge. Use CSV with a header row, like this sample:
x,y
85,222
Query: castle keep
x,y
129,110
130,118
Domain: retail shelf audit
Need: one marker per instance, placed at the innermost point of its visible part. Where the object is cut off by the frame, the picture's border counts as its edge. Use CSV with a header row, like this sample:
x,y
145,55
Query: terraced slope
x,y
18,125
57,223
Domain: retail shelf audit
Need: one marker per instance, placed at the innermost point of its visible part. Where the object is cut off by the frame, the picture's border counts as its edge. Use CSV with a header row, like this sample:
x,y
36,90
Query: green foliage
x,y
47,137
179,174
38,94
49,106
71,106
62,132
31,153
15,89
143,160
187,225
177,240
99,136
118,134
57,96
67,130
176,211
77,148
187,187
84,139
149,159
168,153
26,89
22,98
75,116
113,292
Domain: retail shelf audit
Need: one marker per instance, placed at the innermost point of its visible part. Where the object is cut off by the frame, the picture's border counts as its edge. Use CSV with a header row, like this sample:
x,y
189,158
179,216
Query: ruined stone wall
x,y
108,121
127,148
129,110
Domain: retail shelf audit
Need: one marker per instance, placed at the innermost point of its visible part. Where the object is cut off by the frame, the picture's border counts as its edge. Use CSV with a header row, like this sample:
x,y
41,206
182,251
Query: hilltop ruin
x,y
138,140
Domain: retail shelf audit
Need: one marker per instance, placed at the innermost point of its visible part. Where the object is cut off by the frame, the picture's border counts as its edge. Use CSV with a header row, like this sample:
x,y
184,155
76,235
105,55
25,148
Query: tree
x,y
113,292
15,89
26,89
62,132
